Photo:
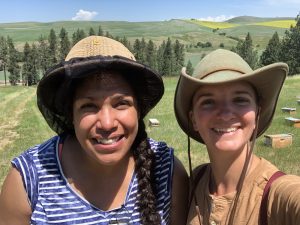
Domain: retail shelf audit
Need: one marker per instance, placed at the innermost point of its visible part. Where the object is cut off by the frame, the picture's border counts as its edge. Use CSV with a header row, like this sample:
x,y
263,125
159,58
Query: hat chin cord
x,y
250,147
192,180
245,170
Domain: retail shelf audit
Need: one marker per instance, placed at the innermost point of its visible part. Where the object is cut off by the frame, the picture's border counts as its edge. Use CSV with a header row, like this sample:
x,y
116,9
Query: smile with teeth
x,y
107,141
225,130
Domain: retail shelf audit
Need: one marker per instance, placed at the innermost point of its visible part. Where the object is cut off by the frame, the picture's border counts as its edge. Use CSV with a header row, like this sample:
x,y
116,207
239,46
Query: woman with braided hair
x,y
101,168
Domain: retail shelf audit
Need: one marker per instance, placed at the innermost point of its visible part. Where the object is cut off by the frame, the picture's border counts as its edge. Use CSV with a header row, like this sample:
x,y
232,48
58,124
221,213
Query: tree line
x,y
37,58
285,50
166,58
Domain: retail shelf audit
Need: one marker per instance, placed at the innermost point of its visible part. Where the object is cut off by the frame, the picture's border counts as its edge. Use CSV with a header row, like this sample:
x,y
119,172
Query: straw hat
x,y
223,66
90,55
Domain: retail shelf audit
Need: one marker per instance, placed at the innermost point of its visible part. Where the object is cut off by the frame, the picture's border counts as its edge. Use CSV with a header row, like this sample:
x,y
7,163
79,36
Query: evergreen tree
x,y
126,43
160,57
100,31
189,68
107,34
143,51
64,44
34,62
92,32
26,66
43,61
178,57
167,59
12,66
52,40
78,35
137,50
247,52
151,55
3,56
271,53
29,68
290,48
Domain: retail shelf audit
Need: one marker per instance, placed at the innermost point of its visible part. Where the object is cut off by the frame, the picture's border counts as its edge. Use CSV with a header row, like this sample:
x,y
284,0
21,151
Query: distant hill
x,y
253,19
188,32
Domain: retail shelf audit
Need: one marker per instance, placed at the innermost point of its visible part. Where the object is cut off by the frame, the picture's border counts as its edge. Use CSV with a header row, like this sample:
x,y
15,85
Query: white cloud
x,y
220,18
84,15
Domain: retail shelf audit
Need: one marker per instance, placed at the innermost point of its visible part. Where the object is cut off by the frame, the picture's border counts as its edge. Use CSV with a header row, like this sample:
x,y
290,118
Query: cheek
x,y
129,119
198,119
250,118
83,123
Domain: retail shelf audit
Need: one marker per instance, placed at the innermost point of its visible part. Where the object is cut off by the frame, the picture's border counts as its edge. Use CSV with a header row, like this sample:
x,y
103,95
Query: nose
x,y
106,120
225,111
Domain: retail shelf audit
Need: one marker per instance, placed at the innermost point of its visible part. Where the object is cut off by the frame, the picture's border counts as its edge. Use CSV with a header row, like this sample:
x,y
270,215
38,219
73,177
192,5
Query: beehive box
x,y
153,122
293,122
298,101
278,140
291,111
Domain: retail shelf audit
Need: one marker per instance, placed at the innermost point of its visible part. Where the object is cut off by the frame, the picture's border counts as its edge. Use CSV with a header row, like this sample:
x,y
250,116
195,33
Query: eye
x,y
207,103
123,104
87,107
240,100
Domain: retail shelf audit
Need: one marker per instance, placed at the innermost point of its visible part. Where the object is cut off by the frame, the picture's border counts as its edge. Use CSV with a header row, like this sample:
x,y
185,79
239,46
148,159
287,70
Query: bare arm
x,y
180,193
14,205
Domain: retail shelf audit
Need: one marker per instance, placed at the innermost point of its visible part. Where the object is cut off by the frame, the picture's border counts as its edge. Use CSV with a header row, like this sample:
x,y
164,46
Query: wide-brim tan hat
x,y
223,66
90,55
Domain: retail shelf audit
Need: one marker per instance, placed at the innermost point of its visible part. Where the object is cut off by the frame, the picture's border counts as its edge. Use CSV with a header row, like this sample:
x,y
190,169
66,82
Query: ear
x,y
192,119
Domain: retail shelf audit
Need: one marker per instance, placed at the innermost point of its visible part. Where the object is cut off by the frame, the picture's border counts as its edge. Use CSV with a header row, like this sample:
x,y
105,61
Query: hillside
x,y
188,32
253,19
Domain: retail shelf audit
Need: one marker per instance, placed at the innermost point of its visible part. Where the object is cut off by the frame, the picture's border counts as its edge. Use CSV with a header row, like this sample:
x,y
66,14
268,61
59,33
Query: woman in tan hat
x,y
226,106
101,168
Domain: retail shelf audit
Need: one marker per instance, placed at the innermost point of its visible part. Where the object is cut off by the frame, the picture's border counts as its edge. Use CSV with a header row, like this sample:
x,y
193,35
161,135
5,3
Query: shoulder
x,y
36,151
284,200
161,149
287,185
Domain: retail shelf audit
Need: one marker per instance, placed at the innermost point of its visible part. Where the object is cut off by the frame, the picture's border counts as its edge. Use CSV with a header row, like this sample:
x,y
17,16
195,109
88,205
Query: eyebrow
x,y
208,94
115,96
245,92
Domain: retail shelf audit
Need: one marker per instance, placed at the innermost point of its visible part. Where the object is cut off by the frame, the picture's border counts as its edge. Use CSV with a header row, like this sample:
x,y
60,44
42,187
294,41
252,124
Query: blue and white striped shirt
x,y
53,201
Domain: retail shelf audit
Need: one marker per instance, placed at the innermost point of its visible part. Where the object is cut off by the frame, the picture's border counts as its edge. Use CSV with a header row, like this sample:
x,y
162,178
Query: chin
x,y
229,146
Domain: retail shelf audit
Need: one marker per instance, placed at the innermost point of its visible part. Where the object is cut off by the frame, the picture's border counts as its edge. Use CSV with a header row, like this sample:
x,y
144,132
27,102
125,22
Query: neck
x,y
88,165
227,171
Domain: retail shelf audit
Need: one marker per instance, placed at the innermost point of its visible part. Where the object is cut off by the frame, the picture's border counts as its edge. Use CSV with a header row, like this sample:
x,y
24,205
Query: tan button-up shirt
x,y
283,203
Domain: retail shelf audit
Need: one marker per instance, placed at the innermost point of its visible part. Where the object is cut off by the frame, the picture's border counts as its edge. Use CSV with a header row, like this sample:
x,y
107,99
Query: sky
x,y
142,10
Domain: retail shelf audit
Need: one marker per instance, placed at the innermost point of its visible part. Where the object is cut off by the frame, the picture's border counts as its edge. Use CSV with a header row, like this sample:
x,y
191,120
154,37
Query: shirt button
x,y
213,223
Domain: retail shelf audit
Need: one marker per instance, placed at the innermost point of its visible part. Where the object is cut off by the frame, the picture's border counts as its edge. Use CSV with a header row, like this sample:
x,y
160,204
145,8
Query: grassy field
x,y
214,25
22,126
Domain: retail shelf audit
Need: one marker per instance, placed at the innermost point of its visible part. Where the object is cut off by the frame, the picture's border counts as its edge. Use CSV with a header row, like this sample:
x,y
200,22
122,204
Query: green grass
x,y
30,127
213,25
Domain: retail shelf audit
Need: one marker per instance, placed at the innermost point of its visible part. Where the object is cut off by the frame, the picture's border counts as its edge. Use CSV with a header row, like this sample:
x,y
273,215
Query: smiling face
x,y
224,115
105,117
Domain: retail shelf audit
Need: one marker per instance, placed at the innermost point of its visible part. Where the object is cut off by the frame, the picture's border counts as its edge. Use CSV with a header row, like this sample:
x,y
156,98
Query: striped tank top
x,y
53,201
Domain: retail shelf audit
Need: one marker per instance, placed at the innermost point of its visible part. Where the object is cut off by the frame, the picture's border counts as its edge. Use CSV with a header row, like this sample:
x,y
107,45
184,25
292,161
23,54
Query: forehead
x,y
232,87
104,82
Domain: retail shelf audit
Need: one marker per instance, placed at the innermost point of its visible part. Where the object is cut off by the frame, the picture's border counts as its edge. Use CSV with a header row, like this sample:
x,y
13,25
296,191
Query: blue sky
x,y
142,10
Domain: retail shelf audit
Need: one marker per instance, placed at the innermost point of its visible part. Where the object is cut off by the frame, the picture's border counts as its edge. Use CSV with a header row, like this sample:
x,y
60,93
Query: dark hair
x,y
144,163
142,152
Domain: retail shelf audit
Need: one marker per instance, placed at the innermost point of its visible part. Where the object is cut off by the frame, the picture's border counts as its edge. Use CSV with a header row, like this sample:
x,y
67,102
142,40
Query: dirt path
x,y
10,112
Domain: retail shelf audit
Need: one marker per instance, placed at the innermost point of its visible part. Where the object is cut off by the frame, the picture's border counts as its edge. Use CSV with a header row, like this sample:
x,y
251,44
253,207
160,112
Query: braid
x,y
144,159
